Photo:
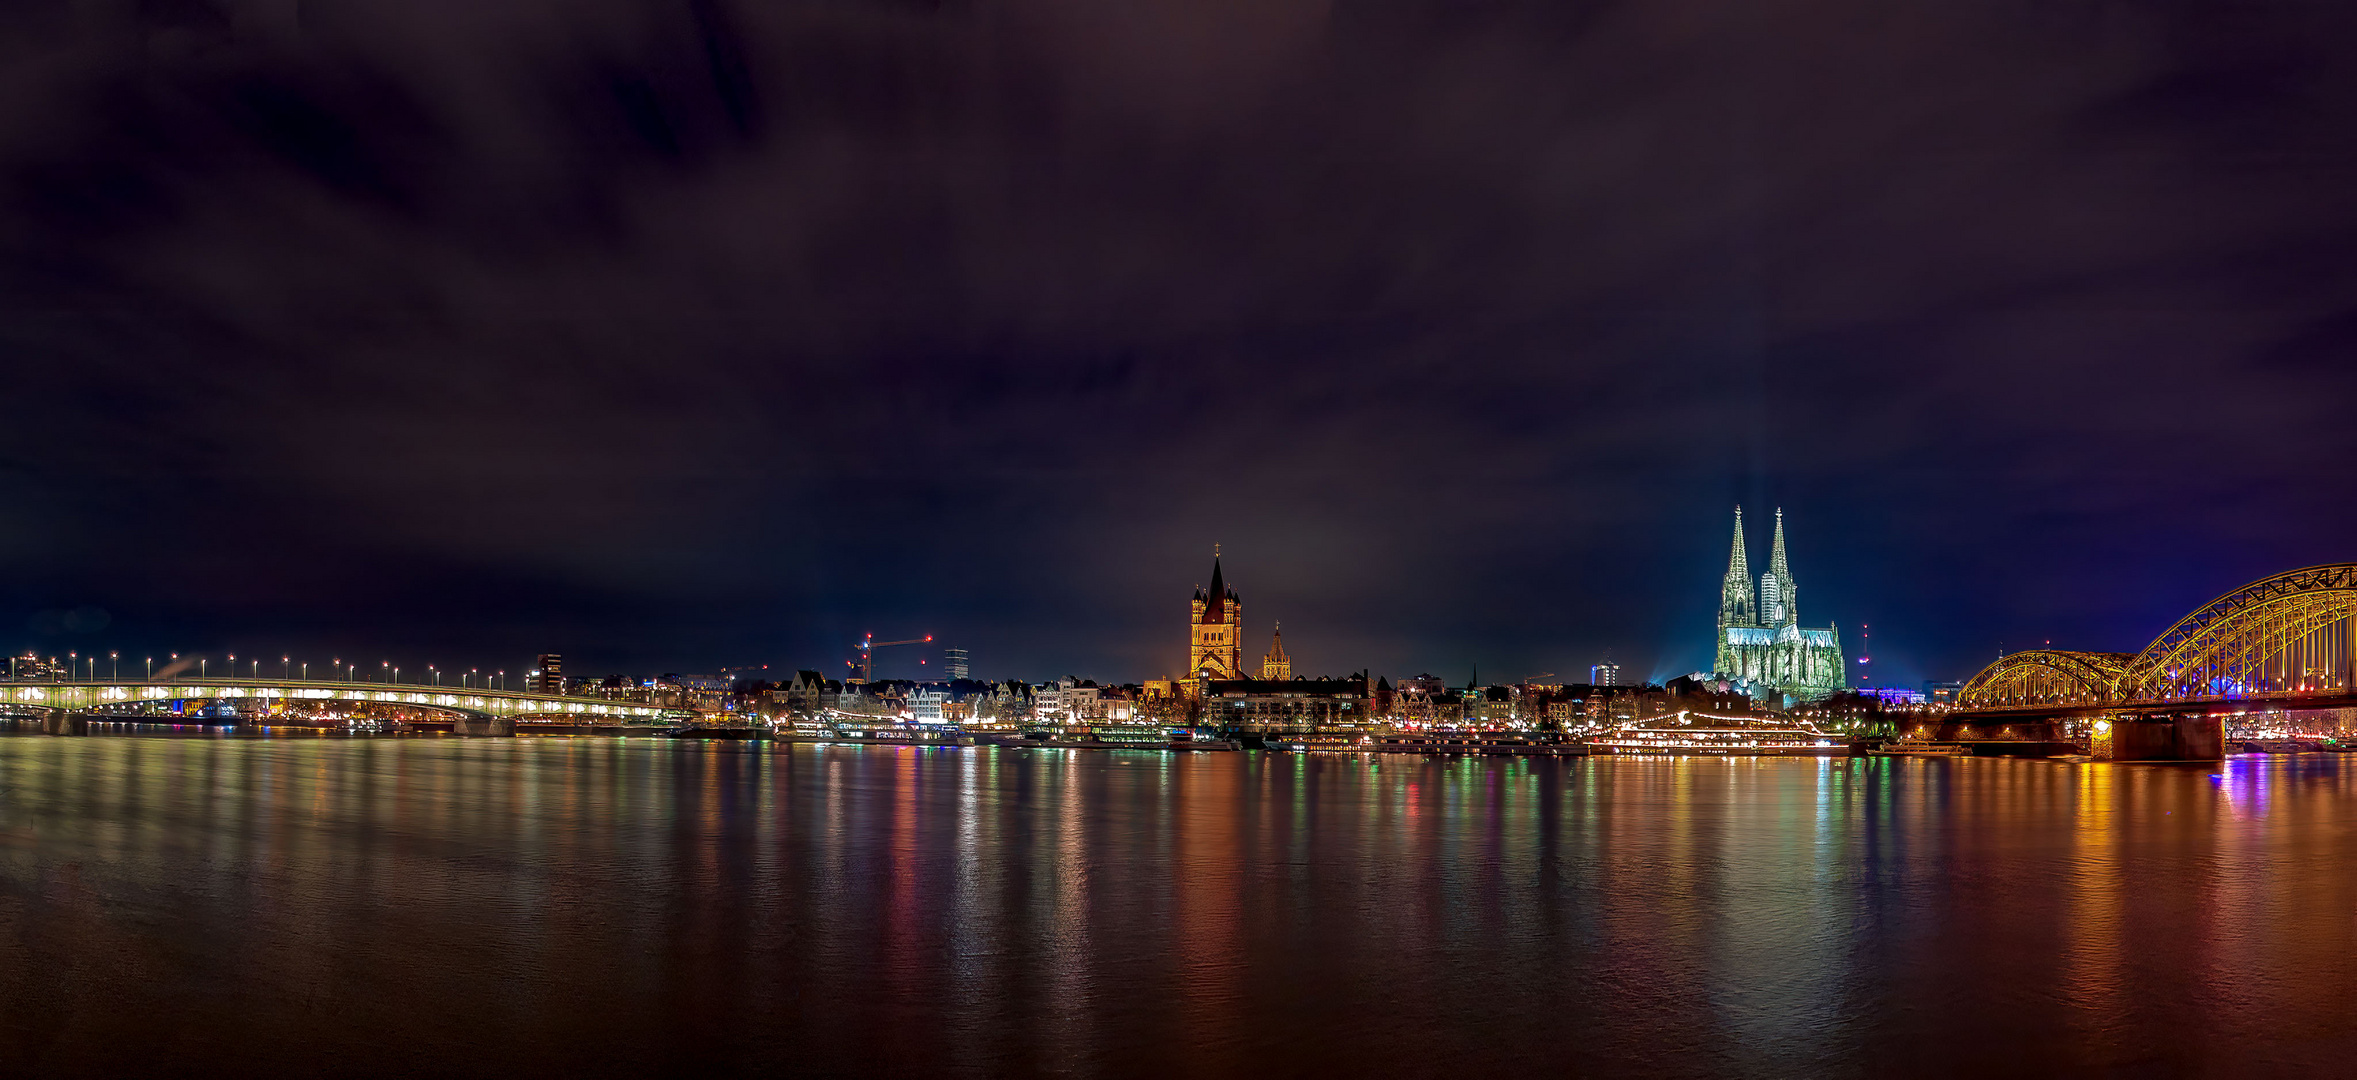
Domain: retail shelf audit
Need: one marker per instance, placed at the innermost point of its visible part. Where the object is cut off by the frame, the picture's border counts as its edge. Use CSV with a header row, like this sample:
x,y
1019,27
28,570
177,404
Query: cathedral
x,y
1761,642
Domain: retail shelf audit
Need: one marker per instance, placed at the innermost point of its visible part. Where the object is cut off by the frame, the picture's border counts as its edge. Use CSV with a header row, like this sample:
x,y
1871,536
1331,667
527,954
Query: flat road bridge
x,y
472,709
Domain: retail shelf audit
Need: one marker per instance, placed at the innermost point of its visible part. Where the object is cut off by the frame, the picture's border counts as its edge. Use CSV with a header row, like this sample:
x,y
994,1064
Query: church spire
x,y
1739,560
1736,604
1779,596
1217,597
1276,666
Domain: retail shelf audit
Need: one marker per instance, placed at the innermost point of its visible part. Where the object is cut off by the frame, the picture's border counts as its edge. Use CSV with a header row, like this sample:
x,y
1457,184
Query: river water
x,y
592,907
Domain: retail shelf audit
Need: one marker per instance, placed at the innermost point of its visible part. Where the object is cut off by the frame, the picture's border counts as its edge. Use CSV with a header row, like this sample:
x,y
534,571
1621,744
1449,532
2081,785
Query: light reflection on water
x,y
604,907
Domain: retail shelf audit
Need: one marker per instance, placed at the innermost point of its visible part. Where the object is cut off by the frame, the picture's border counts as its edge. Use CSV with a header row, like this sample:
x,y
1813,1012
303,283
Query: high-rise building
x,y
1604,674
548,673
1760,641
953,664
1276,665
1215,646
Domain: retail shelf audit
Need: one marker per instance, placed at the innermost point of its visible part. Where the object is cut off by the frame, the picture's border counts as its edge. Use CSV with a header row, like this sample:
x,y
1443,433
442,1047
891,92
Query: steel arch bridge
x,y
138,700
2287,639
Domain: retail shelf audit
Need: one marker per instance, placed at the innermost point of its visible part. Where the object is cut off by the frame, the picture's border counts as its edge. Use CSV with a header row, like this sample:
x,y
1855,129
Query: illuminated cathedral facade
x,y
1761,641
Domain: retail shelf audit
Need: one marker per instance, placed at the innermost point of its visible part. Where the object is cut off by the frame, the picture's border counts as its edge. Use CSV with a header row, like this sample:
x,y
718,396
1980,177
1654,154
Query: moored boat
x,y
1479,744
1696,735
1907,749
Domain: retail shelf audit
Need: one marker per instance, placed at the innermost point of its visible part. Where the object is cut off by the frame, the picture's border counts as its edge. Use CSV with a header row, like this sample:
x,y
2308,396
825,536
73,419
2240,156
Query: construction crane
x,y
732,674
867,656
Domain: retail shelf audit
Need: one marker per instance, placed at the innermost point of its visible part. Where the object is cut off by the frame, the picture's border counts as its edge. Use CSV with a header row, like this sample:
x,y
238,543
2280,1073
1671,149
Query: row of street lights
x,y
287,669
73,665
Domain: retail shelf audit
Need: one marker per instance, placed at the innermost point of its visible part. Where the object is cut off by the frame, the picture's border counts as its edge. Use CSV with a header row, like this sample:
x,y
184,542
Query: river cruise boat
x,y
1117,737
2279,746
1318,742
820,731
1694,735
1478,744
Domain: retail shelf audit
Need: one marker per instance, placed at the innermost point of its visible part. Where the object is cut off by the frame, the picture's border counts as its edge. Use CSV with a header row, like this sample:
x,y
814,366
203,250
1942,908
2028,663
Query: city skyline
x,y
1220,646
1237,650
1895,664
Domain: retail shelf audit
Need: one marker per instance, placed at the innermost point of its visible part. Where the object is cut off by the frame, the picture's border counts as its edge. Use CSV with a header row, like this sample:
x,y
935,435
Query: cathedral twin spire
x,y
1776,603
1735,597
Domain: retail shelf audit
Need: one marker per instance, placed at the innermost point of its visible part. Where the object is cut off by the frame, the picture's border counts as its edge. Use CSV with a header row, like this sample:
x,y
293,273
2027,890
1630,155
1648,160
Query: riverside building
x,y
1288,705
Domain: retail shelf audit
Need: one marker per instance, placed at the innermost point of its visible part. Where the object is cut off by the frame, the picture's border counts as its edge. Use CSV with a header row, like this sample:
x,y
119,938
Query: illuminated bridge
x,y
471,710
2280,643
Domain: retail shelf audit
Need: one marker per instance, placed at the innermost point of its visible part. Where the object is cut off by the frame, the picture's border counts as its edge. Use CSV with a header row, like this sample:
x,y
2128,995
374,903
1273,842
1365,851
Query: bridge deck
x,y
2207,706
113,696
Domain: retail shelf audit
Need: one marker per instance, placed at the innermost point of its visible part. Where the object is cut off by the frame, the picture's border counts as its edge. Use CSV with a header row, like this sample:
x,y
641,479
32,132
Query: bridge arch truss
x,y
2282,636
2046,677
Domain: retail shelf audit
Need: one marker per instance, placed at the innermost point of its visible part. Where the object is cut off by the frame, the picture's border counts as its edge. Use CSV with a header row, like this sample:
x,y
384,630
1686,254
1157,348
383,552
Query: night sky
x,y
680,335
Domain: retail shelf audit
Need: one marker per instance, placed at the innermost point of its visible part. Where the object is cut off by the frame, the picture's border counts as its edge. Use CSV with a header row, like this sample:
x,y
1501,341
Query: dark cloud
x,y
673,335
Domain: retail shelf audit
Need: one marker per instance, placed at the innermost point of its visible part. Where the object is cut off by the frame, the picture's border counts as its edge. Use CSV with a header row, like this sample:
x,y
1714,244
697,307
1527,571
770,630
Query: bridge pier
x,y
2195,737
62,722
483,726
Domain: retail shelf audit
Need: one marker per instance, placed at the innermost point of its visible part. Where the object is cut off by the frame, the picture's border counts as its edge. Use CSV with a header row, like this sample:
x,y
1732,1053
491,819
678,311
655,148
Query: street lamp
x,y
151,669
114,666
436,673
204,664
388,671
306,671
285,666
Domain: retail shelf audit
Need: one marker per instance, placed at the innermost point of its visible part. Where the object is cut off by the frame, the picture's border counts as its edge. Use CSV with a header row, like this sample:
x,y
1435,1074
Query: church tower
x,y
1215,647
1735,600
1276,666
1779,596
